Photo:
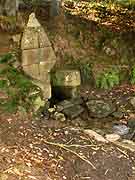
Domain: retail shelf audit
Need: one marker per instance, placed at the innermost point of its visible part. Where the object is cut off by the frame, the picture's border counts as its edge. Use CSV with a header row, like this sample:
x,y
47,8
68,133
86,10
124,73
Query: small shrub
x,y
108,79
132,76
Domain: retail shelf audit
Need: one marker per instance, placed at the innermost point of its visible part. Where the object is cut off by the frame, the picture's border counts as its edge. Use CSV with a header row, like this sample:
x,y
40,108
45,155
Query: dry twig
x,y
65,147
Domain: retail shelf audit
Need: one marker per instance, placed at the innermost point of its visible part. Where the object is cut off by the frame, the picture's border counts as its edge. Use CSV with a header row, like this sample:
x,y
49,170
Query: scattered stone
x,y
74,111
112,137
121,129
127,144
59,116
77,101
100,108
51,110
63,105
118,114
95,135
66,132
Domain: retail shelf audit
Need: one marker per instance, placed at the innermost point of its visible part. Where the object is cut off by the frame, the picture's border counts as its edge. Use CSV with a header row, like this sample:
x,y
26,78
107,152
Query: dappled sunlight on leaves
x,y
114,16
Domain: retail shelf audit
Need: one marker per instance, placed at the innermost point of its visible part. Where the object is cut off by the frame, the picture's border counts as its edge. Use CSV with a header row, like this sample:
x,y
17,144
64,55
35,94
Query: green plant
x,y
86,72
7,58
18,87
132,75
108,79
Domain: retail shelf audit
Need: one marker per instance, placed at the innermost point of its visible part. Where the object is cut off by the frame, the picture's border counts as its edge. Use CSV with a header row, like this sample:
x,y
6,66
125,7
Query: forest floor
x,y
39,149
31,150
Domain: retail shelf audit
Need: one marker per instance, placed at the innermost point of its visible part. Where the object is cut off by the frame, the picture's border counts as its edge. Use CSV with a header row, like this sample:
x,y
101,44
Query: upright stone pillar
x,y
38,57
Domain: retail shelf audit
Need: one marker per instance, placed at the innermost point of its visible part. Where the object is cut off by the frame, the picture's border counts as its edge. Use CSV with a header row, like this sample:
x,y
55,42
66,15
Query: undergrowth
x,y
108,79
16,85
132,75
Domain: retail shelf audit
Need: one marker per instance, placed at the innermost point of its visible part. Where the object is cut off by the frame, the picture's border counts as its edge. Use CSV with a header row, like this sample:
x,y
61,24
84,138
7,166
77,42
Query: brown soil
x,y
31,150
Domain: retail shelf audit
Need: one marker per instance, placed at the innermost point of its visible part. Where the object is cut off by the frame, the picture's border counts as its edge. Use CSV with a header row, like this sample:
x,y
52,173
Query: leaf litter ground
x,y
29,149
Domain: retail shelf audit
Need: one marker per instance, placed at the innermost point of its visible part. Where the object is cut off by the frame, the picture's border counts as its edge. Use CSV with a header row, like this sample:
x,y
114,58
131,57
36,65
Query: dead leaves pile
x,y
111,15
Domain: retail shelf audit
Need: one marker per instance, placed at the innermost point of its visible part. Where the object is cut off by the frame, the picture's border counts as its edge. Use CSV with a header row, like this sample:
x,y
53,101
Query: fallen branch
x,y
65,147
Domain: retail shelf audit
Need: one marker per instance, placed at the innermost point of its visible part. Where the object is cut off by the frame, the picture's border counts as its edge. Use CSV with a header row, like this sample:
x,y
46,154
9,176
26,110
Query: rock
x,y
51,110
95,135
112,137
38,57
44,56
121,129
73,112
59,116
77,101
100,108
66,83
63,105
118,114
70,78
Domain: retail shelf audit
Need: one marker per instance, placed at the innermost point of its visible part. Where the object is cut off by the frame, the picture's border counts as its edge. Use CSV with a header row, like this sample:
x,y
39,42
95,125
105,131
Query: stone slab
x,y
34,38
34,72
65,77
74,111
39,55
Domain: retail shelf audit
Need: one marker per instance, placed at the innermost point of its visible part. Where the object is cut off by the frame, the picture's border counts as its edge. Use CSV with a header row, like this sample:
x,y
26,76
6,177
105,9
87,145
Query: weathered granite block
x,y
32,70
70,78
40,55
34,38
